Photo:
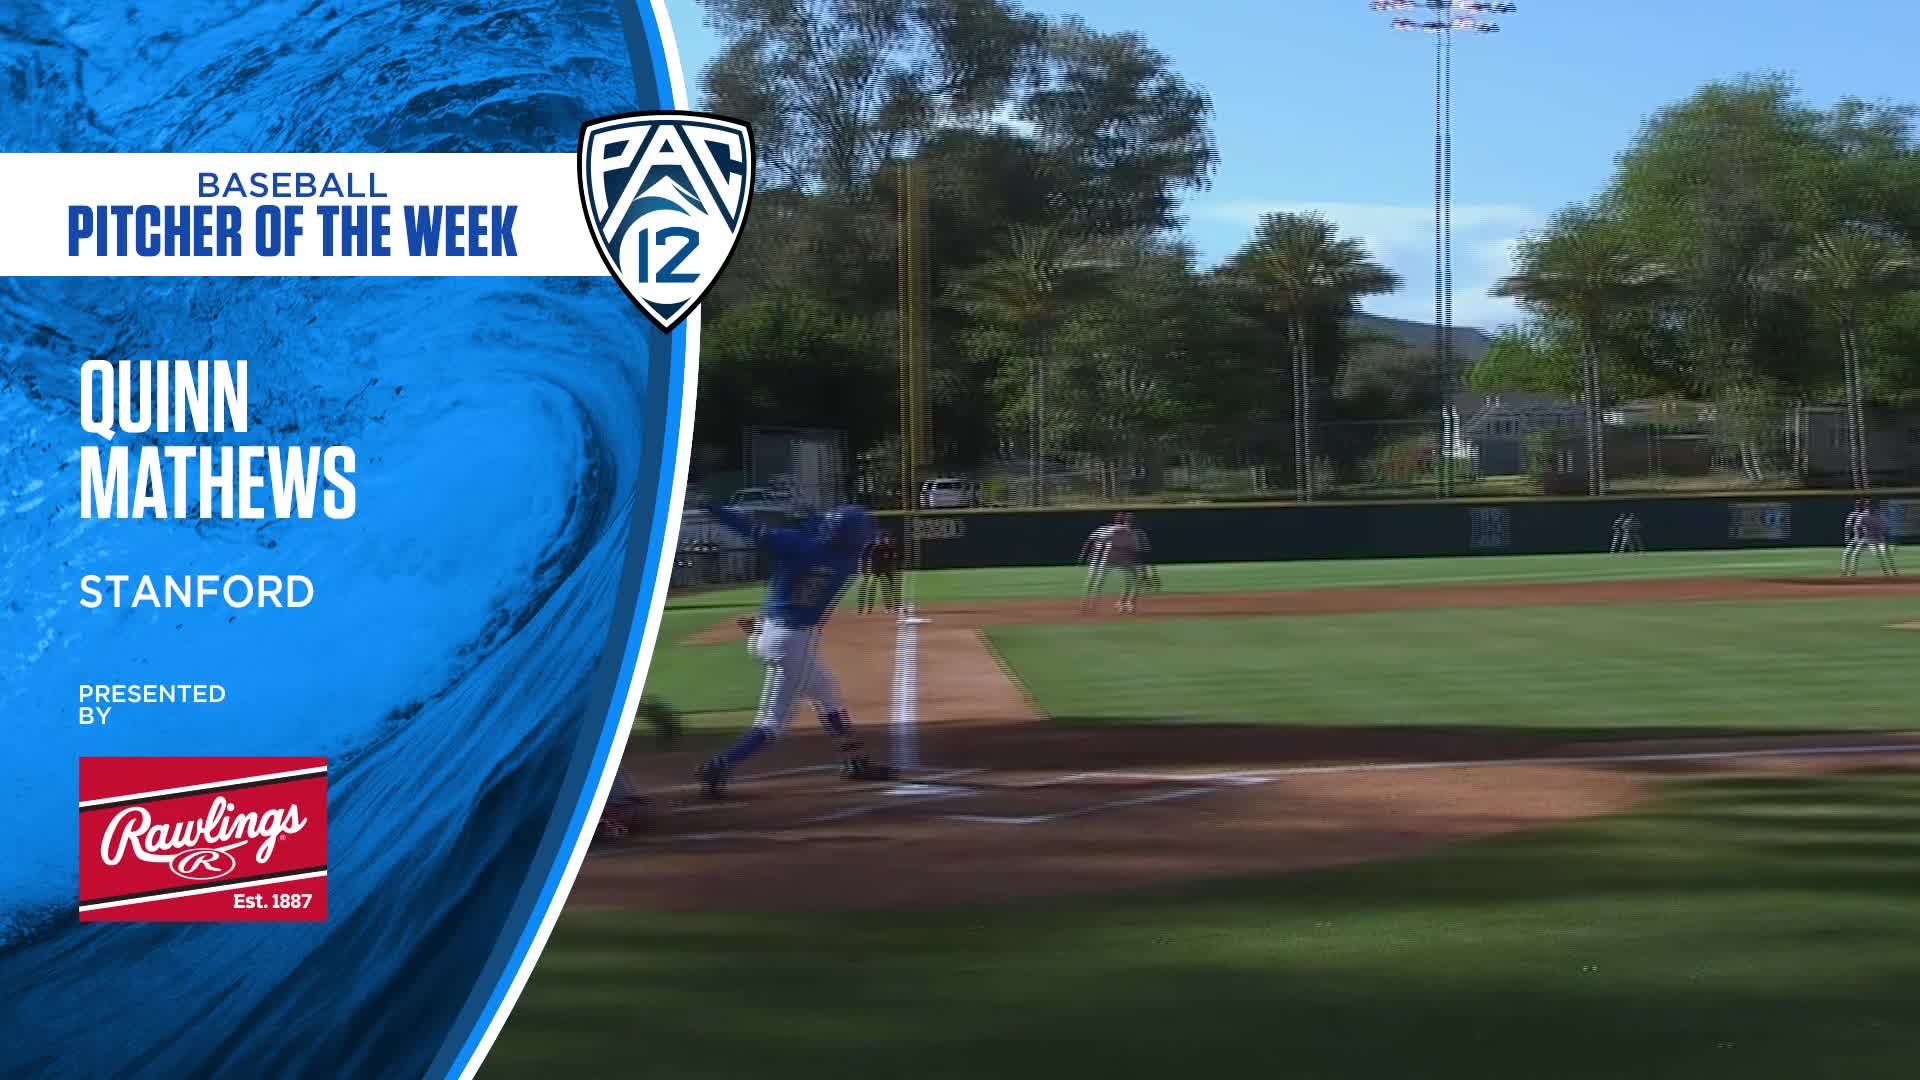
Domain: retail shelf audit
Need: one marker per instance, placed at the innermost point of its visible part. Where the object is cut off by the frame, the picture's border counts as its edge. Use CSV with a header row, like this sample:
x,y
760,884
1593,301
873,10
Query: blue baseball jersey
x,y
808,575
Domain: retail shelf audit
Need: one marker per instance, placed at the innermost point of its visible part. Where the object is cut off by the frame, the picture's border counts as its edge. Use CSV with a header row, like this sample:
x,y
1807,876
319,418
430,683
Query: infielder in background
x,y
812,563
1626,534
1866,529
880,574
1119,545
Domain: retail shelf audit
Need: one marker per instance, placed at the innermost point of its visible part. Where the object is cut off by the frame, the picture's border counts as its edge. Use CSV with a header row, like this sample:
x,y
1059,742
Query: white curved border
x,y
690,380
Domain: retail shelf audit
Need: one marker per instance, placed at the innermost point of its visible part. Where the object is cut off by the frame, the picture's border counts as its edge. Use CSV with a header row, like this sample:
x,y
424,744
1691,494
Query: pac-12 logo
x,y
665,194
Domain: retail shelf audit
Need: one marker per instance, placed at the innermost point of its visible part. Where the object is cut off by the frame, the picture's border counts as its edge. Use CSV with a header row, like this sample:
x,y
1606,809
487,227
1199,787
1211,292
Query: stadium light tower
x,y
1443,19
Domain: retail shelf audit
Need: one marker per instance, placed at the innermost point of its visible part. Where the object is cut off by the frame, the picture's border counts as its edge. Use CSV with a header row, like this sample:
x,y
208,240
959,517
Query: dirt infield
x,y
1014,807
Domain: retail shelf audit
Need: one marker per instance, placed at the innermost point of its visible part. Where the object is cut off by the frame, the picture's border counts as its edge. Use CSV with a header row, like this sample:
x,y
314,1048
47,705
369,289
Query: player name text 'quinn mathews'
x,y
166,480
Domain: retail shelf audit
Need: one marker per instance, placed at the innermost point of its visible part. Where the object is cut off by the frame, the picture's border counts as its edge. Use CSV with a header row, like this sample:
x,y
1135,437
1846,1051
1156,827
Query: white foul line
x,y
1260,776
1096,808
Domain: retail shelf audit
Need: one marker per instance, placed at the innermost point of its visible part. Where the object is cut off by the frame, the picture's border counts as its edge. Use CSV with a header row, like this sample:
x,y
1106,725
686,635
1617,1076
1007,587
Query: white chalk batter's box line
x,y
1215,782
776,774
1211,783
1261,776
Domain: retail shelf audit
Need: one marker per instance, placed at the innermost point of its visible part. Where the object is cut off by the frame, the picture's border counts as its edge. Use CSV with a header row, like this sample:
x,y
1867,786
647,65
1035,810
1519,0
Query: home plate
x,y
908,791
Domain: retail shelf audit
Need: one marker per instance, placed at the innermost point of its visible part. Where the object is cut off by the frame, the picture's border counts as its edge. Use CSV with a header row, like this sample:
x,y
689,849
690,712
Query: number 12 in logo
x,y
669,274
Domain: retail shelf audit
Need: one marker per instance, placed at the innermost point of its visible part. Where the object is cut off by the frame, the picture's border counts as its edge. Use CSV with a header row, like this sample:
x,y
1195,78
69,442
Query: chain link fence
x,y
1439,456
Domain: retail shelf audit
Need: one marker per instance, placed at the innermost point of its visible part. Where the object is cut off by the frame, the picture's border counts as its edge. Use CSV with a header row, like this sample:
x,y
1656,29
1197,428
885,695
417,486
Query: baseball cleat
x,y
861,768
712,777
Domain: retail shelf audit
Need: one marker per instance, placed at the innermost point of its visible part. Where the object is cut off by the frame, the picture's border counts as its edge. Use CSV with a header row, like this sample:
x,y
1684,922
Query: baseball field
x,y
1502,817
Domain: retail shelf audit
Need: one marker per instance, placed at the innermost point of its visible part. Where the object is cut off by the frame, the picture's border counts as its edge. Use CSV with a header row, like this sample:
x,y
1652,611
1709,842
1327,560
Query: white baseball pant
x,y
1850,562
794,673
1097,574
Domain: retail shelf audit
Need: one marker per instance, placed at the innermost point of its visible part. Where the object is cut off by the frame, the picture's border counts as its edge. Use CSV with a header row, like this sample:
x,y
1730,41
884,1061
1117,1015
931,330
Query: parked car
x,y
946,493
699,530
765,500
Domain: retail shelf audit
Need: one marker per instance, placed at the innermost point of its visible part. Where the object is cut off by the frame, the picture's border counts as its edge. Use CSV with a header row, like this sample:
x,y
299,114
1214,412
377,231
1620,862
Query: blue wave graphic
x,y
470,620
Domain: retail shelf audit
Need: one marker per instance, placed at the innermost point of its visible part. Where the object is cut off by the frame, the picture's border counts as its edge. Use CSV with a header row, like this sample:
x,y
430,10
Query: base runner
x,y
812,564
1122,546
1866,528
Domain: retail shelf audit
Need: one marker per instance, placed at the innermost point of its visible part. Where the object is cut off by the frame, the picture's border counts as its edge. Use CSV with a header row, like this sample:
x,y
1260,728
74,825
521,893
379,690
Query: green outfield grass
x,y
711,686
1588,671
1758,928
717,686
1054,582
1764,929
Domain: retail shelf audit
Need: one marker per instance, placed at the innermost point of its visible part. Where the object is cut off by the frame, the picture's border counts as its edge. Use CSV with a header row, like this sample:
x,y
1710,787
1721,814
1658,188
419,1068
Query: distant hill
x,y
1470,344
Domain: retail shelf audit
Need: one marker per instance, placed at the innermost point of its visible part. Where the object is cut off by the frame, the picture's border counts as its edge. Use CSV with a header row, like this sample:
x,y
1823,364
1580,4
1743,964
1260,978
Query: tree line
x,y
1750,251
1067,312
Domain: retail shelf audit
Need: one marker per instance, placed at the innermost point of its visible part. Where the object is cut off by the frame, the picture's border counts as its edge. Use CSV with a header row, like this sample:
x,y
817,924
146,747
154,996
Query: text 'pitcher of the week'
x,y
812,563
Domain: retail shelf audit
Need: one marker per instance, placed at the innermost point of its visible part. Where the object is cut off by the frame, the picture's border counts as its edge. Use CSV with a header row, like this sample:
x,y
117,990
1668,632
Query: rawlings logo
x,y
203,864
198,849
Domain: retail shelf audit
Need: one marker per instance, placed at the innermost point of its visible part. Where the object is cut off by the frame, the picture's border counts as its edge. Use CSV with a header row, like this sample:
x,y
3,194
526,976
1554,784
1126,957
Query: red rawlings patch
x,y
238,839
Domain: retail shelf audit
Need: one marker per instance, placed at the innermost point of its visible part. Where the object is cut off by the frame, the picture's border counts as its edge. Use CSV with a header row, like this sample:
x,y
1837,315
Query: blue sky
x,y
1319,105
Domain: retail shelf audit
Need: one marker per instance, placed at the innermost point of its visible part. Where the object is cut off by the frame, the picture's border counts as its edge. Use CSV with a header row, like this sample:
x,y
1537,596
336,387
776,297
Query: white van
x,y
946,493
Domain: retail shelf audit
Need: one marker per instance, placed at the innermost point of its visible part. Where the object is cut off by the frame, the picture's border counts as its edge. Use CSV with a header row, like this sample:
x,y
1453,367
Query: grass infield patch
x,y
1594,671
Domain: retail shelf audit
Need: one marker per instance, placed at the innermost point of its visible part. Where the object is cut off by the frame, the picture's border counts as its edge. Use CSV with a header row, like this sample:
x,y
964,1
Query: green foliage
x,y
1537,454
1410,459
1297,279
1012,123
1385,379
792,360
1531,360
1709,265
1851,271
1297,264
1713,266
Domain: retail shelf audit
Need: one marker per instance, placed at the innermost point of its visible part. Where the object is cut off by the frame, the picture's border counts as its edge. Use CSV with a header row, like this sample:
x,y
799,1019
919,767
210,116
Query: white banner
x,y
295,215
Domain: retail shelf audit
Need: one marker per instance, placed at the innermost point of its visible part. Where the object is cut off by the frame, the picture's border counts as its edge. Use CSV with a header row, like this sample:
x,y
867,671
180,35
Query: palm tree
x,y
1296,267
1847,273
1021,297
1587,270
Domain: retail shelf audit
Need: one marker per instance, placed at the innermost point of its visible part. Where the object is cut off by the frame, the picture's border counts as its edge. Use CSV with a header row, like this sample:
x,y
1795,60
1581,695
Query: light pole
x,y
1446,18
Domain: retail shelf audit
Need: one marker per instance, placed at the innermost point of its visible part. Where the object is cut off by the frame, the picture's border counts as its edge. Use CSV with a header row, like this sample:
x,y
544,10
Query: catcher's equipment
x,y
623,817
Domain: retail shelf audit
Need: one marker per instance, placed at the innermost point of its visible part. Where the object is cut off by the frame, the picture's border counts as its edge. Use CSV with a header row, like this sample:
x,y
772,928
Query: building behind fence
x,y
1494,446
